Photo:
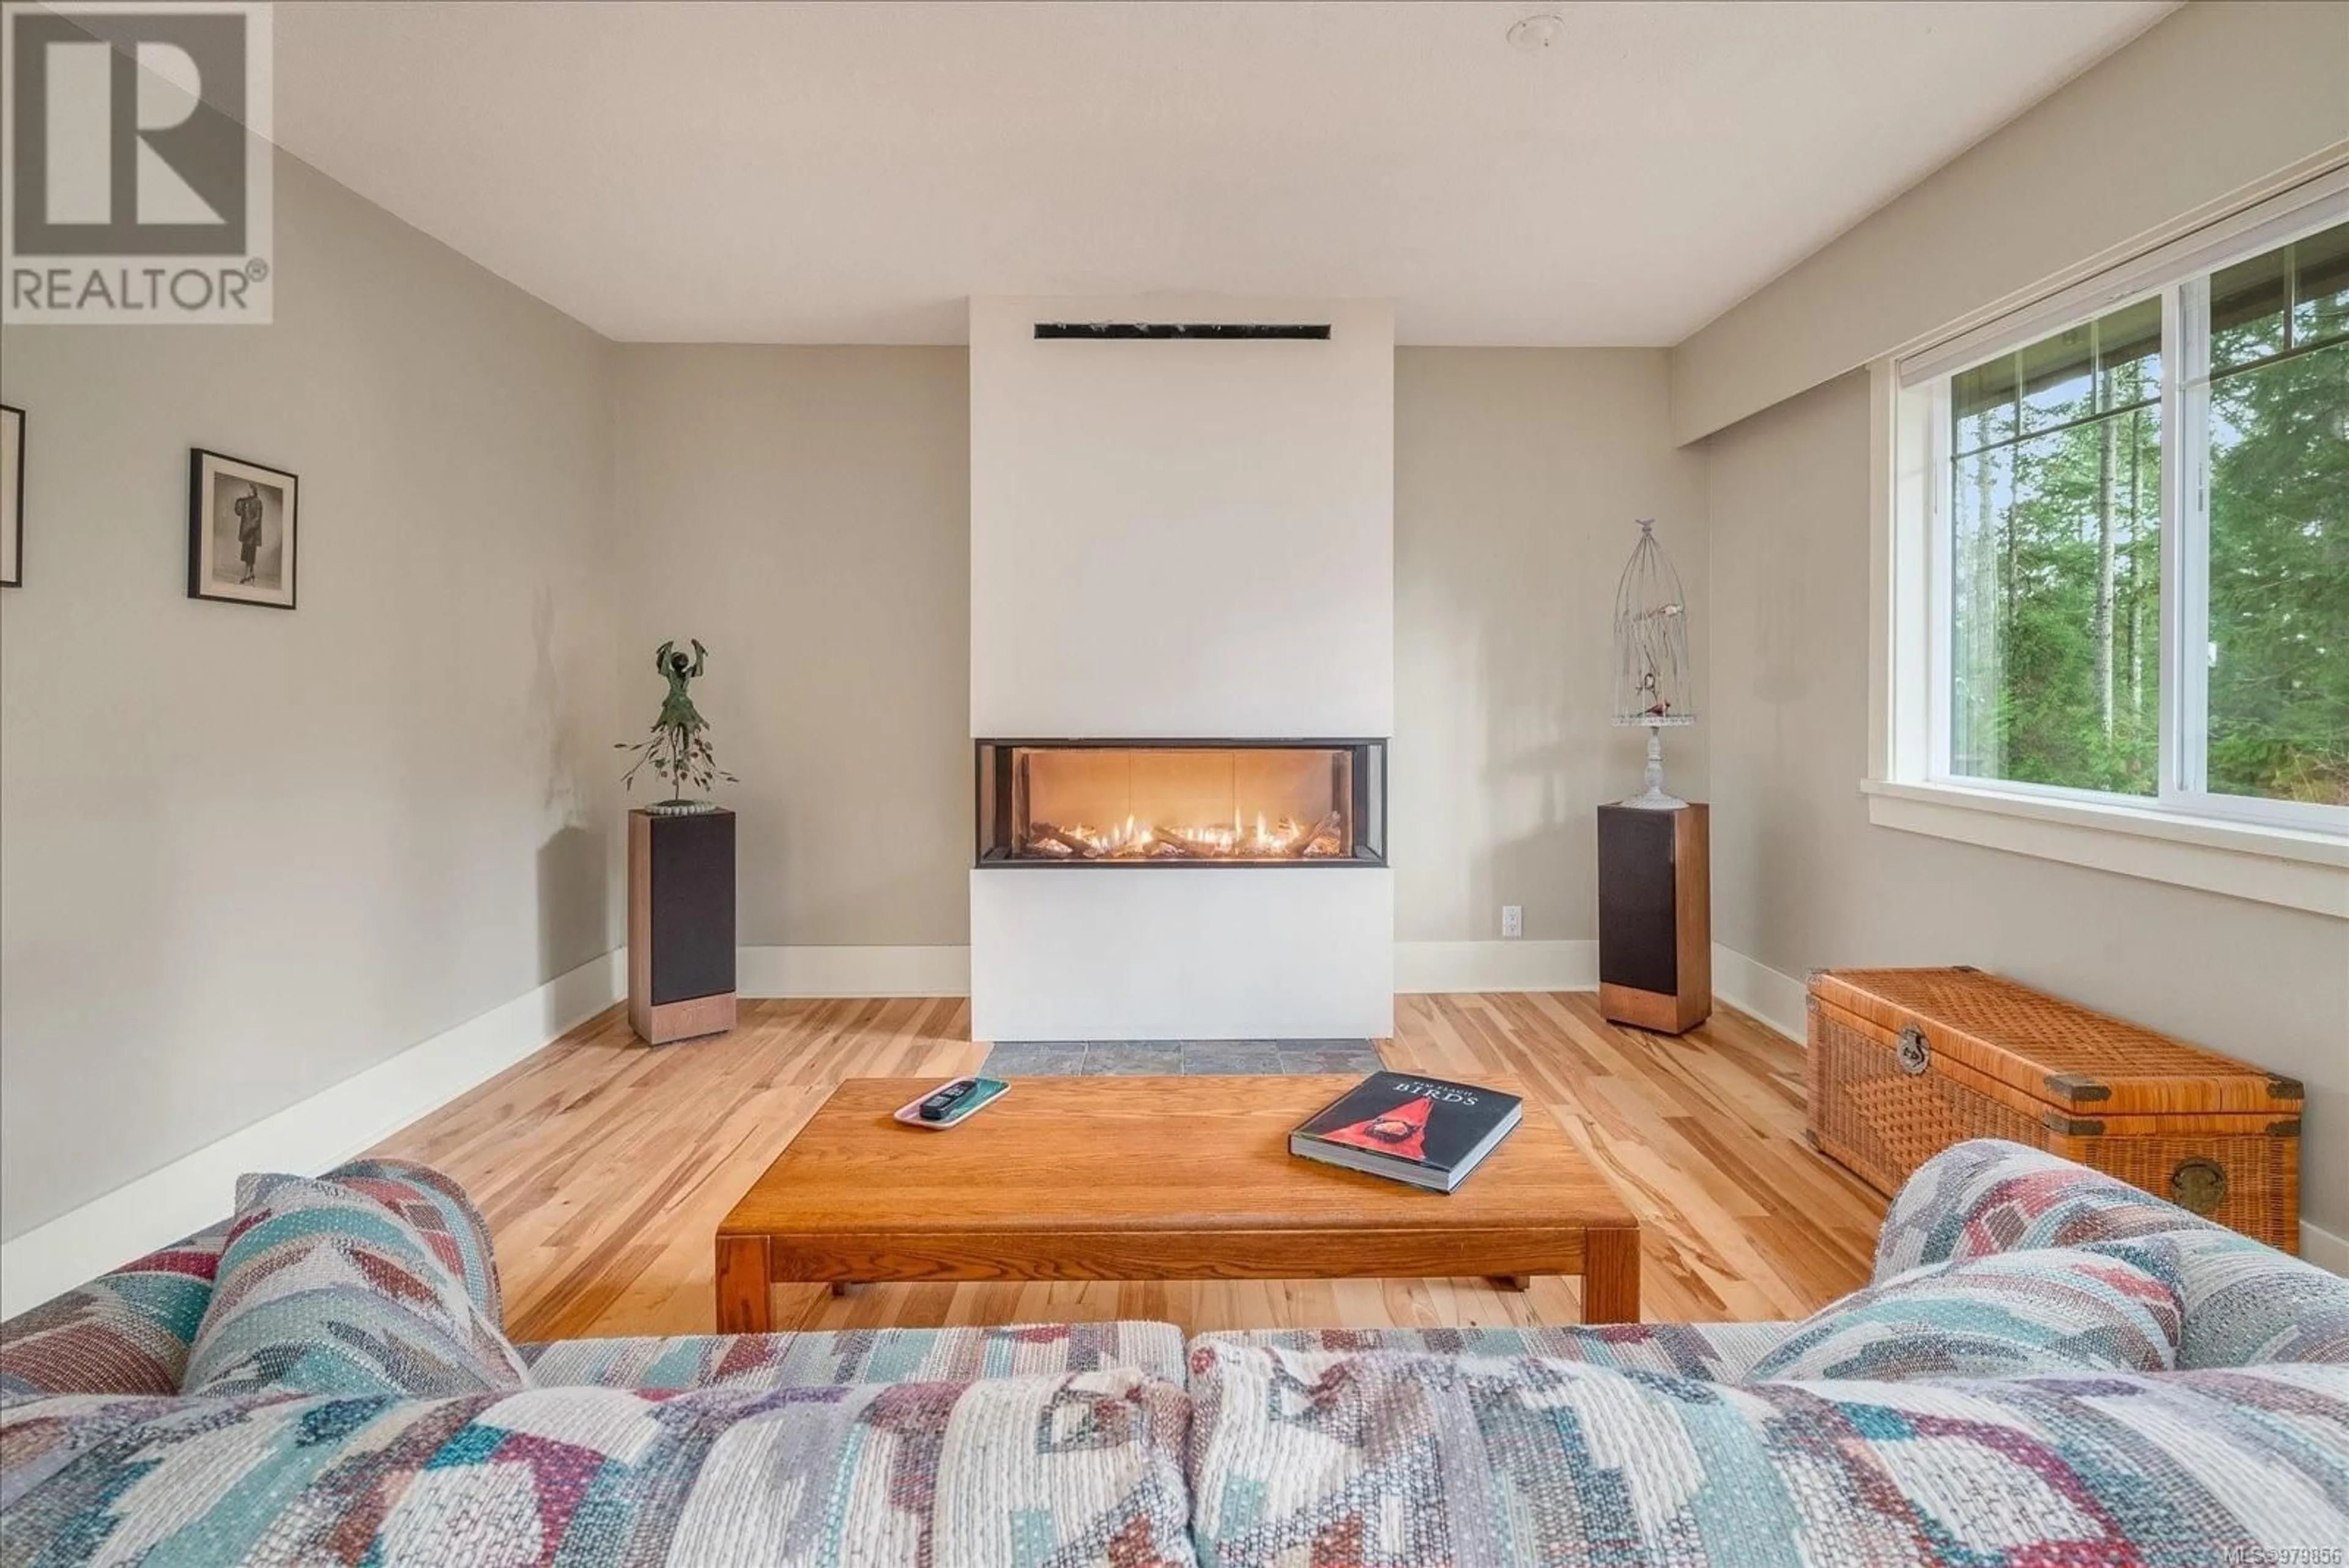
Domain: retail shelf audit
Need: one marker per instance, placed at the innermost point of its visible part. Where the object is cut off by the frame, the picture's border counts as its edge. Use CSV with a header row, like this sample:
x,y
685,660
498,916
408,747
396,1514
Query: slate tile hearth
x,y
1034,1059
1206,1058
1127,1059
1323,1058
1170,1058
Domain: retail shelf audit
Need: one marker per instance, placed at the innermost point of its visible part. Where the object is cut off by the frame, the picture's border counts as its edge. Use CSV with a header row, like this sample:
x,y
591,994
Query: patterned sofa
x,y
2048,1367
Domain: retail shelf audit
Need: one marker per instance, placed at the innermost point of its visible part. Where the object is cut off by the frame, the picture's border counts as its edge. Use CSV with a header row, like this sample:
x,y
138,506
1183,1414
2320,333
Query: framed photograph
x,y
244,522
12,497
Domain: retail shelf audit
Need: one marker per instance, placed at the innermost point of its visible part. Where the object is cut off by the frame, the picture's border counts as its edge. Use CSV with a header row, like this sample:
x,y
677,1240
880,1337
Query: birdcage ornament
x,y
1653,676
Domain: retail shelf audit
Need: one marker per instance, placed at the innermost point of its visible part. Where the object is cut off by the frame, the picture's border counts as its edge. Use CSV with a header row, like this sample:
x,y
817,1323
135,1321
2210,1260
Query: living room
x,y
1160,545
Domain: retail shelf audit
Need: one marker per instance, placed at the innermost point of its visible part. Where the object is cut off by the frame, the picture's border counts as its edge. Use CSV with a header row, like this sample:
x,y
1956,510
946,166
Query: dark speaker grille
x,y
1639,935
692,907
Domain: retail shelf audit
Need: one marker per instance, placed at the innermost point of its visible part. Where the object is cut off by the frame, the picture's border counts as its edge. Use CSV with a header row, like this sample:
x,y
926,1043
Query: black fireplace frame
x,y
1370,789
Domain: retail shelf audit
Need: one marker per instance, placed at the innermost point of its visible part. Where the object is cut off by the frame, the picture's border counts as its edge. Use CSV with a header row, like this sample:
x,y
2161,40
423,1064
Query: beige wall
x,y
1801,879
806,513
2218,95
246,854
1518,473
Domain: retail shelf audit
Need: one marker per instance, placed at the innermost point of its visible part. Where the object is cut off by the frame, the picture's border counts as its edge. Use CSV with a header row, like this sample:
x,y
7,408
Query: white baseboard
x,y
1773,998
2323,1248
1496,966
946,970
1753,987
311,1136
851,972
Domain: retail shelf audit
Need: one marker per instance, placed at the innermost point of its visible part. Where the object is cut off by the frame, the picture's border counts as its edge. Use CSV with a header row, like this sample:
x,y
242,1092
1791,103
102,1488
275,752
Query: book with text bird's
x,y
1430,1132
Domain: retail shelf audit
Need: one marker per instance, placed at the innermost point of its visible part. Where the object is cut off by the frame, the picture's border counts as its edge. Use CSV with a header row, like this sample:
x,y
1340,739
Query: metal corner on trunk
x,y
2077,1088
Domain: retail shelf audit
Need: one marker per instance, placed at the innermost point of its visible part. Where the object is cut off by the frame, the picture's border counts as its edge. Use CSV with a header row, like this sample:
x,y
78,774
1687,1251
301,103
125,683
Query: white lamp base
x,y
1654,798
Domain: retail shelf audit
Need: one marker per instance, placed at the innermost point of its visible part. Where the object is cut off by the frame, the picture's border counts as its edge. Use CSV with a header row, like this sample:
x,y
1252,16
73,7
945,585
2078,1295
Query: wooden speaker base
x,y
696,1015
1658,1011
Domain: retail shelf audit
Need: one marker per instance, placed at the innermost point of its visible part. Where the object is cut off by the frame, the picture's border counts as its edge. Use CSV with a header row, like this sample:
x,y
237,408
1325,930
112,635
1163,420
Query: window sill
x,y
2295,869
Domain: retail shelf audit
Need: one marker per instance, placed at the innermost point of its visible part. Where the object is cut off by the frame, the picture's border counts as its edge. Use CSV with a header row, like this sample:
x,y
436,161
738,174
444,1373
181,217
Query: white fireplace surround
x,y
1182,539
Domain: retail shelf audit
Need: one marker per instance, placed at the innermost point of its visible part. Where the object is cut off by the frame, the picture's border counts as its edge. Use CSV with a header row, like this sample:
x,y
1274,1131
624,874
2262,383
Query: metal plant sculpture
x,y
678,747
1652,656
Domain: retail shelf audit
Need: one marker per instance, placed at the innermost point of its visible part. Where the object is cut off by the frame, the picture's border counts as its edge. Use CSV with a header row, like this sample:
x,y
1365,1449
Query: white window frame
x,y
2286,851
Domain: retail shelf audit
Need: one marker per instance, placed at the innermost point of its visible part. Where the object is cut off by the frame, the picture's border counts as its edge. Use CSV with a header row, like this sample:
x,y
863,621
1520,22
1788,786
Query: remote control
x,y
936,1107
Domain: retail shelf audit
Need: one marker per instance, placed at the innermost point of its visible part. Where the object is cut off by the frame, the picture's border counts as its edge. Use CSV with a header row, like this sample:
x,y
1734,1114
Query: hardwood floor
x,y
604,1166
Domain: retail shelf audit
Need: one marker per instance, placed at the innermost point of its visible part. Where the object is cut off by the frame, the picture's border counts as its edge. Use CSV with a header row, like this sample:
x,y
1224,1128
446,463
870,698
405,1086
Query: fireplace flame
x,y
1173,803
1284,839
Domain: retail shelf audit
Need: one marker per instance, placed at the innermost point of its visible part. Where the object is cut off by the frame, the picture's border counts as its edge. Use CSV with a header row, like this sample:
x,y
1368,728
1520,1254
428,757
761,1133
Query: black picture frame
x,y
207,575
12,561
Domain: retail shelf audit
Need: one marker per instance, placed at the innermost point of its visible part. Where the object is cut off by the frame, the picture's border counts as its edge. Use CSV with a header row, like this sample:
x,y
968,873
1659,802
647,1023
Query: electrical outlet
x,y
1513,920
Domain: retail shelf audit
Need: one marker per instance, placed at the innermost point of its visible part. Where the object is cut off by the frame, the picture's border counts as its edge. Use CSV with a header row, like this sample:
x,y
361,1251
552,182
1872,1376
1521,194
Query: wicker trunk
x,y
1905,1062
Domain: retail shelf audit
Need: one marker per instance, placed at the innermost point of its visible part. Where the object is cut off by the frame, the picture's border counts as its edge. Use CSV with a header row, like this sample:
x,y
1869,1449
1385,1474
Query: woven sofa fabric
x,y
1987,1195
1016,1472
123,1332
2246,1302
825,1358
1411,1460
1718,1351
2054,1309
324,1290
128,1332
443,1214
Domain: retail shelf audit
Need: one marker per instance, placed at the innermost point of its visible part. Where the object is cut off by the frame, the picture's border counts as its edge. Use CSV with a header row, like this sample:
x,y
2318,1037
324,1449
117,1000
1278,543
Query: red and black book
x,y
1430,1132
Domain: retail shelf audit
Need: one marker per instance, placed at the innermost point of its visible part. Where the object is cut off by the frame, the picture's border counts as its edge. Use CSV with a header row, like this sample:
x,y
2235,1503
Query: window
x,y
2117,566
2054,508
2062,562
2275,419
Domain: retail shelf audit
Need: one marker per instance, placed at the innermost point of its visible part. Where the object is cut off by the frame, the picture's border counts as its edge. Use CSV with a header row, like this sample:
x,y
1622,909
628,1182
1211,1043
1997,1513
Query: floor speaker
x,y
680,924
1655,917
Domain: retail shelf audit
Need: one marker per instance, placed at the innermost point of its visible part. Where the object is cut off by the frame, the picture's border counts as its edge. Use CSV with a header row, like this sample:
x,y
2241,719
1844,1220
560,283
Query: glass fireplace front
x,y
1182,803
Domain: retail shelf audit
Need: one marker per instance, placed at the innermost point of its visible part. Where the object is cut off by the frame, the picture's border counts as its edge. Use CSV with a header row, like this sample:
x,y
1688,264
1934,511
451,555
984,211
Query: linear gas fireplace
x,y
1182,803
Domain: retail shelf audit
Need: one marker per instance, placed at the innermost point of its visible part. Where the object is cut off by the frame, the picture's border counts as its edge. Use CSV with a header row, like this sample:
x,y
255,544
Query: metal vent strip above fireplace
x,y
1191,331
1193,804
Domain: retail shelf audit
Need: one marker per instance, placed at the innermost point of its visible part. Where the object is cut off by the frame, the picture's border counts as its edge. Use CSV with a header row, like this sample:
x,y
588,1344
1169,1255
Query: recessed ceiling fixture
x,y
1535,32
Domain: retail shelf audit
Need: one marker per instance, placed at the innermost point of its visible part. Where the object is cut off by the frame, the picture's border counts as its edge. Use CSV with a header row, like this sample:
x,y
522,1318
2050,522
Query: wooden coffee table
x,y
1153,1179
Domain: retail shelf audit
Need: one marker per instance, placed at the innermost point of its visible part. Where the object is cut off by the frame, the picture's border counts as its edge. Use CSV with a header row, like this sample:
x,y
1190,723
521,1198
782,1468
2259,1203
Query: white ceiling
x,y
849,173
